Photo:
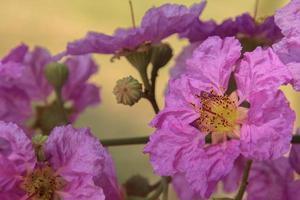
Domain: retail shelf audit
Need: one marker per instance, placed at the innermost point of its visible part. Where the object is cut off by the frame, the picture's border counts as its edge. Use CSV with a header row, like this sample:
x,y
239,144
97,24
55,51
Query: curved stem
x,y
244,183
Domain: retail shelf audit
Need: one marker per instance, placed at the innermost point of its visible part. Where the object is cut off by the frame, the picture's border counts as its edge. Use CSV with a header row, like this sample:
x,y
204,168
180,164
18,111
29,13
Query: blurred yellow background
x,y
52,23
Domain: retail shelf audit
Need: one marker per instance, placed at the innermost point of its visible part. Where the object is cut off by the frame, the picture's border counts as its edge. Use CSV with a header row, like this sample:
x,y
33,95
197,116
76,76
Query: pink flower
x,y
74,158
288,49
23,81
250,121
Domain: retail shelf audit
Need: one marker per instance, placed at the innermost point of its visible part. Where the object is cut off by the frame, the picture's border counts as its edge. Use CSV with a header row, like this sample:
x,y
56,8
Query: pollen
x,y
220,115
42,183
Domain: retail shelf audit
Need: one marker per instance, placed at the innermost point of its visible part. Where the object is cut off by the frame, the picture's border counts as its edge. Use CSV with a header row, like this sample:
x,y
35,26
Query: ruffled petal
x,y
288,18
208,166
260,70
16,55
81,188
159,23
168,144
270,180
213,61
15,105
16,147
74,152
108,180
183,188
33,79
268,130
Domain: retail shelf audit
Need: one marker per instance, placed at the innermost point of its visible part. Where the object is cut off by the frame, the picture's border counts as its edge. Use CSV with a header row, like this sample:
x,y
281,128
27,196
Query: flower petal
x,y
268,130
74,152
260,70
213,61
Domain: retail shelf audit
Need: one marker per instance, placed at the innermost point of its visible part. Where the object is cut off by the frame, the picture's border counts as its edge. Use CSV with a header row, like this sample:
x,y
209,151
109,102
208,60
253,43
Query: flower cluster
x,y
225,117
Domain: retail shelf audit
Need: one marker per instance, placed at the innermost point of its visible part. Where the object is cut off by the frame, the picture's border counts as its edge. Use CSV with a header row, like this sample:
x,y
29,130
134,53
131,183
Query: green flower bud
x,y
128,91
161,55
57,74
38,141
137,186
140,57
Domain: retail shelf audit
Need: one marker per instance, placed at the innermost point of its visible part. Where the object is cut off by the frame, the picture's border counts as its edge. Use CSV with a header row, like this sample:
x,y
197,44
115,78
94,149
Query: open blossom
x,y
249,121
74,158
23,81
157,24
288,49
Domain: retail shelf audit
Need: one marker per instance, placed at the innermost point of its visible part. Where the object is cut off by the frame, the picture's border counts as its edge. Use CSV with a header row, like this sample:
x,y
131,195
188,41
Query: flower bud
x,y
38,141
137,186
161,55
57,74
140,58
128,91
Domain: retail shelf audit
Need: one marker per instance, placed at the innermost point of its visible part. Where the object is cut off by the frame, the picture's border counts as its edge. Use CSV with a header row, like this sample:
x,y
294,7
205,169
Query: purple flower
x,y
157,24
23,81
249,121
288,49
250,33
272,180
73,159
14,102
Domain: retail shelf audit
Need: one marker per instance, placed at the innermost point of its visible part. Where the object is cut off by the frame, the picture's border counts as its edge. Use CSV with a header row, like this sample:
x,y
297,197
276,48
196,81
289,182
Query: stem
x,y
157,193
125,141
255,9
244,183
165,182
132,14
61,104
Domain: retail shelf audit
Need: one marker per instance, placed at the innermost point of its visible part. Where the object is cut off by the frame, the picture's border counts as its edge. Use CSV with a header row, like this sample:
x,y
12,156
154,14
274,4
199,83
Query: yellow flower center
x,y
220,114
42,183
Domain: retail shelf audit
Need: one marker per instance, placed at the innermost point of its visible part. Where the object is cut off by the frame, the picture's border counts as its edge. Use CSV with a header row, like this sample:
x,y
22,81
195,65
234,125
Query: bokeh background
x,y
52,23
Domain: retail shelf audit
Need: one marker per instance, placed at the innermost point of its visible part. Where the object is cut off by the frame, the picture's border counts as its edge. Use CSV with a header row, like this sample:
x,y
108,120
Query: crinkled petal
x,y
15,106
16,147
260,70
16,55
269,180
179,99
33,79
267,132
213,61
10,74
74,152
288,49
231,182
288,18
8,174
81,188
180,63
93,43
159,23
183,189
206,168
169,144
294,156
108,180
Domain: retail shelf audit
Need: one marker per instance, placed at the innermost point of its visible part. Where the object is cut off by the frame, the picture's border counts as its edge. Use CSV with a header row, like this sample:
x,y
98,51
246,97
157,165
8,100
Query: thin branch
x,y
132,14
244,183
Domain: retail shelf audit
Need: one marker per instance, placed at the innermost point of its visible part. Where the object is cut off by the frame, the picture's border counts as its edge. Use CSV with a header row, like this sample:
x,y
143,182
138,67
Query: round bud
x,y
56,74
128,91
